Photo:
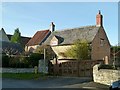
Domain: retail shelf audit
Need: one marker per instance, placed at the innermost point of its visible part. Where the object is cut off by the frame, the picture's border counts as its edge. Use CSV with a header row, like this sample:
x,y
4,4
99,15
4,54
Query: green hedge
x,y
103,66
24,76
5,60
21,61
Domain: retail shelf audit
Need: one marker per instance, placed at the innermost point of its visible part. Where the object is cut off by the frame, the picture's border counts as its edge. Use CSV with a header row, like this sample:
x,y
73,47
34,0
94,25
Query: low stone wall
x,y
105,76
18,70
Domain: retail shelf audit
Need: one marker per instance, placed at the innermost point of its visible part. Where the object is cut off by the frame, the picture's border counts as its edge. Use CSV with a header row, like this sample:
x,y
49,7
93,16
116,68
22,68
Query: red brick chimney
x,y
99,19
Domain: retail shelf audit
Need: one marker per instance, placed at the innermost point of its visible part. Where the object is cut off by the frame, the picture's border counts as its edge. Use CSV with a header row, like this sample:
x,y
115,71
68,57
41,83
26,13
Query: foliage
x,y
23,60
19,61
5,60
115,51
16,38
48,51
115,48
24,76
16,61
34,59
80,50
40,49
104,66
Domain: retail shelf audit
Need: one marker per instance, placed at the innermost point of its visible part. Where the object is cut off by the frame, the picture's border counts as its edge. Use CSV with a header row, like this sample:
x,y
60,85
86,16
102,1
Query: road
x,y
53,82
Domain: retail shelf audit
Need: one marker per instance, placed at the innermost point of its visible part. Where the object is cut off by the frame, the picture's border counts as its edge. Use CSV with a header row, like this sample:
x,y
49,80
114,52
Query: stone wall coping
x,y
105,76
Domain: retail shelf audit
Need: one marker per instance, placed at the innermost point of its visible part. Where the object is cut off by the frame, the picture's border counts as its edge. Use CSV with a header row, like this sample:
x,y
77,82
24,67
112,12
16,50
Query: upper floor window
x,y
54,43
101,42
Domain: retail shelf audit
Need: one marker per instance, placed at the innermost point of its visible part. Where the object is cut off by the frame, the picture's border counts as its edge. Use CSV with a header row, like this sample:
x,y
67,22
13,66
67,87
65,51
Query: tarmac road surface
x,y
54,82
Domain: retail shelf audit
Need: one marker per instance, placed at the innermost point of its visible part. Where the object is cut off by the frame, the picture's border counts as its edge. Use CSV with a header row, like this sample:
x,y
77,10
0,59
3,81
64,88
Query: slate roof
x,y
69,36
12,48
3,36
39,37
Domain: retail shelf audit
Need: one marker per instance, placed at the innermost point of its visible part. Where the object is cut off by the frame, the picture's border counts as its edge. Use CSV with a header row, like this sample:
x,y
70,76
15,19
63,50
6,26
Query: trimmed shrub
x,y
21,61
103,66
5,60
34,59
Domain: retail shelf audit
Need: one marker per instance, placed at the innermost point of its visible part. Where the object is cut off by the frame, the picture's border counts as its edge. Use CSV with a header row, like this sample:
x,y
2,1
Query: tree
x,y
115,48
115,51
80,50
16,38
48,51
34,59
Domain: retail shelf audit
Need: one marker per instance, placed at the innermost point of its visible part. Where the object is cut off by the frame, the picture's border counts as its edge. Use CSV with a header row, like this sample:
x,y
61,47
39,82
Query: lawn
x,y
24,76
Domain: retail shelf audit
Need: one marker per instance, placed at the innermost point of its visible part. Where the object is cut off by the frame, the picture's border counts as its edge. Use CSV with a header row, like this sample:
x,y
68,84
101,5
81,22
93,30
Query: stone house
x,y
39,38
62,40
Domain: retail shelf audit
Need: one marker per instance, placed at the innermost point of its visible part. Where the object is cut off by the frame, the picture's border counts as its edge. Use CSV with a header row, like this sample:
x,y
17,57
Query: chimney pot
x,y
99,19
52,27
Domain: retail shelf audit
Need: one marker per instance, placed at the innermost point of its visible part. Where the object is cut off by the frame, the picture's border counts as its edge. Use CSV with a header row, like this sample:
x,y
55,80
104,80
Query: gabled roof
x,y
3,36
24,40
38,38
69,36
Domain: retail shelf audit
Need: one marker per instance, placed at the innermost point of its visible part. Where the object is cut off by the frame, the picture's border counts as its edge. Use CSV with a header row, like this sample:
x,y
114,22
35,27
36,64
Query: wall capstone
x,y
105,76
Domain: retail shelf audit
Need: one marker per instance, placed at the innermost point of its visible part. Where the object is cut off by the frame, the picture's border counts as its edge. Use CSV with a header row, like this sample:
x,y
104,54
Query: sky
x,y
30,17
119,23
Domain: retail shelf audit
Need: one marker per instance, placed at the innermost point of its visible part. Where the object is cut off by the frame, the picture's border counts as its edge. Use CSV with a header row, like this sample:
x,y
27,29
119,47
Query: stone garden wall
x,y
105,76
41,68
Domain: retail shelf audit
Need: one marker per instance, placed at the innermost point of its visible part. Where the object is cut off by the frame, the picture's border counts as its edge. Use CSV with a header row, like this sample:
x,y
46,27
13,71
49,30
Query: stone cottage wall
x,y
100,50
105,76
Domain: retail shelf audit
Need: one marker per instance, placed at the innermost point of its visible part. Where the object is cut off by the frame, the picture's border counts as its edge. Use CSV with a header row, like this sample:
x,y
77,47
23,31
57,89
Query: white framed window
x,y
54,43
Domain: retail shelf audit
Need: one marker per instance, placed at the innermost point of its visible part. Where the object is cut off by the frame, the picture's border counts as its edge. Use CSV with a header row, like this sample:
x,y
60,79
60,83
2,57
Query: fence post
x,y
78,67
36,69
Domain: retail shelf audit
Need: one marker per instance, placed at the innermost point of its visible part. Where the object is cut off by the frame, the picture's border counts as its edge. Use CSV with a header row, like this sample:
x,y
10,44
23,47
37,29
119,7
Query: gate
x,y
74,68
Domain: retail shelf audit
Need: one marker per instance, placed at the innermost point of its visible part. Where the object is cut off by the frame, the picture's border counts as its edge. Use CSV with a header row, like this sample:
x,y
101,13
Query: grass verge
x,y
24,76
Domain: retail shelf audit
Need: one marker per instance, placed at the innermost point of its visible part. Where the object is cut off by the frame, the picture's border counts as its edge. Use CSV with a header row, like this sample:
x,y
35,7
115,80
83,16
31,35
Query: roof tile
x,y
38,37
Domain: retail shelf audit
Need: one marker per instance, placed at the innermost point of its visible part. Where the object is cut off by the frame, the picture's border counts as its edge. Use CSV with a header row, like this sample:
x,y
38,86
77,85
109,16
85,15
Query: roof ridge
x,y
71,34
21,36
43,30
75,28
38,37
